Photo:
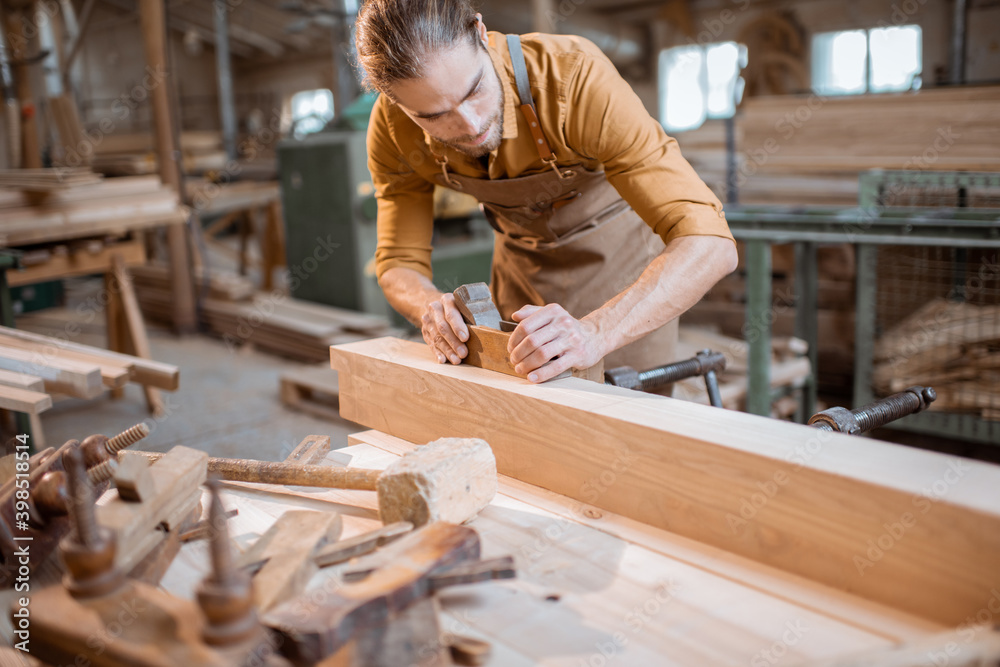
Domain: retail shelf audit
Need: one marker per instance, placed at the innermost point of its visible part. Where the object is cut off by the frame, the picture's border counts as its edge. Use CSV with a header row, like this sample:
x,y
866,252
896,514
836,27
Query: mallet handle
x,y
294,474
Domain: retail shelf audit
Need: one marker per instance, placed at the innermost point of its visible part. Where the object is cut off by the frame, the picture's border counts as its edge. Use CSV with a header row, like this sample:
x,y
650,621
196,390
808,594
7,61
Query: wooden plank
x,y
144,371
289,547
113,221
970,646
311,451
312,391
60,375
114,373
135,327
176,479
583,577
220,285
838,605
812,503
21,380
108,189
24,400
80,263
70,129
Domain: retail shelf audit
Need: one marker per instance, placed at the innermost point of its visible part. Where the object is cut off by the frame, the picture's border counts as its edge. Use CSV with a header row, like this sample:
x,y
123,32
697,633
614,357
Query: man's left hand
x,y
544,333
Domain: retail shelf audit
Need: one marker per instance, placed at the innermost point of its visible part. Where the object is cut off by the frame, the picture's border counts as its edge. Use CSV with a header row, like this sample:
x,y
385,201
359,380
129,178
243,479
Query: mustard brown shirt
x,y
590,117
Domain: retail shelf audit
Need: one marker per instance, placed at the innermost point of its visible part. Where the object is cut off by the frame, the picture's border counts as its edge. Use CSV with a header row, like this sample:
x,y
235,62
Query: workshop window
x,y
879,60
699,82
311,111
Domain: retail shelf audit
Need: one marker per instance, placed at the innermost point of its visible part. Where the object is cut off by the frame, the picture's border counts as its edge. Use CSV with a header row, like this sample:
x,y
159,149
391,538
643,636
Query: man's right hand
x,y
444,329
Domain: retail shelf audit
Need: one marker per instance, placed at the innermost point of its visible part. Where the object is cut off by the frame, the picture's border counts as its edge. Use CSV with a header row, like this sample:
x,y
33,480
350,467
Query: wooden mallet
x,y
451,479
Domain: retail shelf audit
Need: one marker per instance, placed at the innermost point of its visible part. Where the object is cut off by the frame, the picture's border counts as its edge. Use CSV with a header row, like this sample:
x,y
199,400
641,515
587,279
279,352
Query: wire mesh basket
x,y
937,308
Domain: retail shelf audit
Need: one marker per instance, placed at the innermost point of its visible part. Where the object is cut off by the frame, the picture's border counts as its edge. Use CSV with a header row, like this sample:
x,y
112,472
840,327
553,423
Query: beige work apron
x,y
566,236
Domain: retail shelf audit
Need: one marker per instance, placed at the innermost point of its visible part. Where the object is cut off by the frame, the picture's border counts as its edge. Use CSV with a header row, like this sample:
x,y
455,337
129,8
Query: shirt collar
x,y
497,49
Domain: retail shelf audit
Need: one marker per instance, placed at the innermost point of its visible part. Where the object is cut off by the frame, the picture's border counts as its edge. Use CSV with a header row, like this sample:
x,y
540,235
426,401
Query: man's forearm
x,y
671,284
408,291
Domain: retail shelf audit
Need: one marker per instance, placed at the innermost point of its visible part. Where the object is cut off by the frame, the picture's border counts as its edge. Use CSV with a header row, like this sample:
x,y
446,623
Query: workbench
x,y
243,204
650,531
592,587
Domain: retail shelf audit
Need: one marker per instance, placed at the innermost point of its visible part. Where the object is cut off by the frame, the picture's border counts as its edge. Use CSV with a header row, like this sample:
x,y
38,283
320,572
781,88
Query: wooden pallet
x,y
314,391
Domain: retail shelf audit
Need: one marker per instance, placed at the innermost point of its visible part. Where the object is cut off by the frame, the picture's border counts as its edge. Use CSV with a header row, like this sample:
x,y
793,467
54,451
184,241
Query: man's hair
x,y
393,36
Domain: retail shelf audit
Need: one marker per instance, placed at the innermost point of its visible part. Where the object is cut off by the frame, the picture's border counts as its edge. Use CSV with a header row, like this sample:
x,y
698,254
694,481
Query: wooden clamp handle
x,y
313,629
294,474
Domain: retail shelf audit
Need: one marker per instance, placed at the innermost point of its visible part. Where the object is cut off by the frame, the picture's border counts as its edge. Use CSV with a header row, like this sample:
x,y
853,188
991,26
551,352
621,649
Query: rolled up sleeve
x,y
405,202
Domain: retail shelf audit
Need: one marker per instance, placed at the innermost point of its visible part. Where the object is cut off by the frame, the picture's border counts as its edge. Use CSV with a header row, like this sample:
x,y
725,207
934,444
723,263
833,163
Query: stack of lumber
x,y
299,330
33,366
131,154
724,308
312,390
211,198
789,369
808,149
951,346
152,283
231,308
47,180
112,206
705,149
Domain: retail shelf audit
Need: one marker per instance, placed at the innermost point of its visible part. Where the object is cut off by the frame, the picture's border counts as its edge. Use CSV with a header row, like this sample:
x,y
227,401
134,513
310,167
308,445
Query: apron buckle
x,y
442,161
563,175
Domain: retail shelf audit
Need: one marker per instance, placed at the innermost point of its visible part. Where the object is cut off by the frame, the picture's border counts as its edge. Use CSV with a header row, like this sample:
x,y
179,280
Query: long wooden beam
x,y
143,371
916,530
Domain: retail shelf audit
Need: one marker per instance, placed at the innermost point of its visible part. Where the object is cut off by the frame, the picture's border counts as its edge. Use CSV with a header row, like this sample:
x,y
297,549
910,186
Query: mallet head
x,y
451,479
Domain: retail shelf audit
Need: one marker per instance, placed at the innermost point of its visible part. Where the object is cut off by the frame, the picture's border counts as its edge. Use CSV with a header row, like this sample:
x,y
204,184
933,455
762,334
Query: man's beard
x,y
494,127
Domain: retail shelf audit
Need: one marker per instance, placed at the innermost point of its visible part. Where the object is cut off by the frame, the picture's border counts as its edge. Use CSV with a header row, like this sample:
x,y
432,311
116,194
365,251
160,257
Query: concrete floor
x,y
227,405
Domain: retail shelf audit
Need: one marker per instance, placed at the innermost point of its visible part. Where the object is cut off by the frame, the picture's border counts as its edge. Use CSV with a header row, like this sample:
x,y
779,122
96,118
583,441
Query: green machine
x,y
330,212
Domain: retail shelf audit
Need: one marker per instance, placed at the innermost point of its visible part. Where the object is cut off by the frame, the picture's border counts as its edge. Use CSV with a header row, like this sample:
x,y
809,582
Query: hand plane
x,y
489,334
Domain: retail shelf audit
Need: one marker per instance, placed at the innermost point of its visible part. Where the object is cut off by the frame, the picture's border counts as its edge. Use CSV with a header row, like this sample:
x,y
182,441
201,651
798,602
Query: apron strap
x,y
528,105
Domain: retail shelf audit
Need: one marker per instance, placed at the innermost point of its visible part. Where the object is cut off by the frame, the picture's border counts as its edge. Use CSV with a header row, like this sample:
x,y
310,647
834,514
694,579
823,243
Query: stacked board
x,y
110,207
809,149
295,329
231,308
32,367
46,180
